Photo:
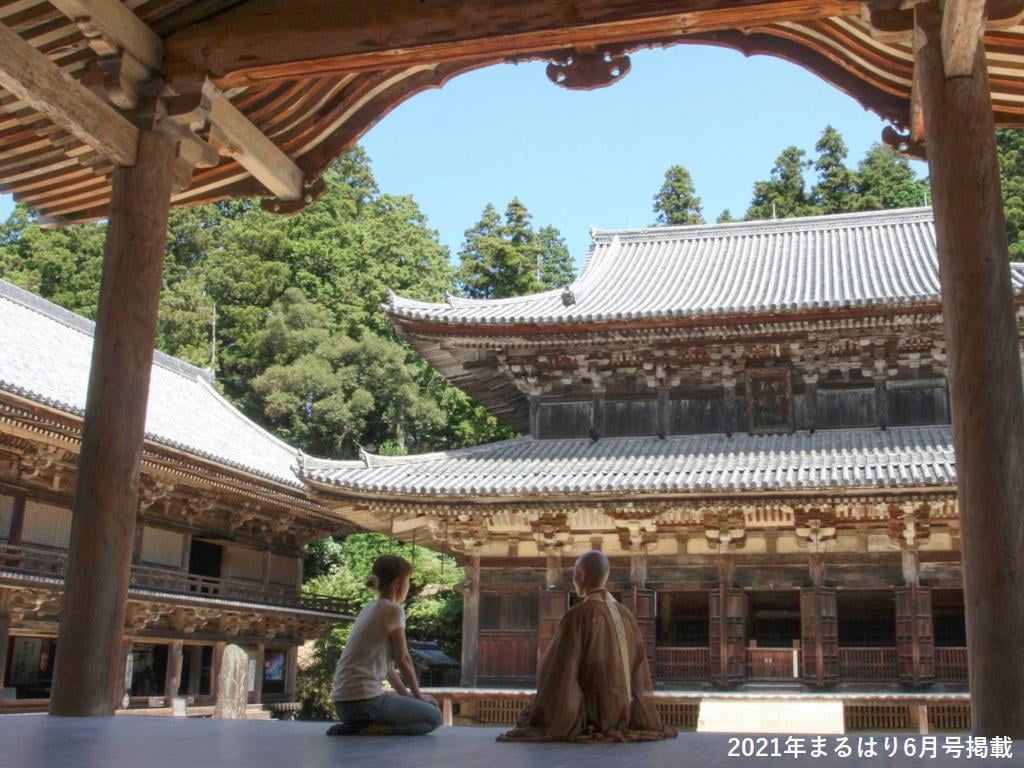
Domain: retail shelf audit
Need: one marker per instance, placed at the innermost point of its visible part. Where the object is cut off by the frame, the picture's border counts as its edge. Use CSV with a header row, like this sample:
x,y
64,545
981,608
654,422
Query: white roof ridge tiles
x,y
796,223
900,457
876,258
46,356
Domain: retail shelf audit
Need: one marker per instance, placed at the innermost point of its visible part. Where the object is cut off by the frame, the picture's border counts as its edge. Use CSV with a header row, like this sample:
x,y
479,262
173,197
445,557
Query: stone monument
x,y
232,684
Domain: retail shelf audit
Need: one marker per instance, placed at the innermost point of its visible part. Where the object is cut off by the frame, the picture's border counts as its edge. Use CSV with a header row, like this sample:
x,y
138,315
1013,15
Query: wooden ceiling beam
x,y
41,84
234,135
113,26
281,39
113,21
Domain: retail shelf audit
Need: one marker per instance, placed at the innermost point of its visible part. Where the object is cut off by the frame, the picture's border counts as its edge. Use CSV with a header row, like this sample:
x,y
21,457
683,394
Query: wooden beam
x,y
237,137
41,84
112,20
984,372
233,131
281,39
963,24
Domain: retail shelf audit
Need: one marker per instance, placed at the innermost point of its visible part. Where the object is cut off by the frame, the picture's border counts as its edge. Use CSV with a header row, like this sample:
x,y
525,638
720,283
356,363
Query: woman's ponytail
x,y
386,570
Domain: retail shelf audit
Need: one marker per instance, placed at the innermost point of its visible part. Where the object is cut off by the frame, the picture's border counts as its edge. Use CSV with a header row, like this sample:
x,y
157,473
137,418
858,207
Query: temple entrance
x,y
196,671
774,635
149,670
30,666
867,636
682,637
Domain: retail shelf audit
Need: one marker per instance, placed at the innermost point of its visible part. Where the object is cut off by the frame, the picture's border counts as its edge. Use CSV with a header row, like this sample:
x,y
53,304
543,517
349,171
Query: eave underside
x,y
314,109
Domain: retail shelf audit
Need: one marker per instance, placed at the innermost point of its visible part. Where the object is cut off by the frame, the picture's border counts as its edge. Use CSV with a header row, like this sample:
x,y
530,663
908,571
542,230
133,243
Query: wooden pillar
x,y
535,415
446,711
811,400
291,671
5,638
124,689
664,412
471,621
882,401
172,681
87,670
731,407
186,551
257,685
215,667
17,521
597,413
984,373
638,568
553,569
909,562
140,528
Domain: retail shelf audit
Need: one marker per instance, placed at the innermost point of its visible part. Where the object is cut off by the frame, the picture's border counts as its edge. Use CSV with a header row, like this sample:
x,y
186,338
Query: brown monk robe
x,y
593,683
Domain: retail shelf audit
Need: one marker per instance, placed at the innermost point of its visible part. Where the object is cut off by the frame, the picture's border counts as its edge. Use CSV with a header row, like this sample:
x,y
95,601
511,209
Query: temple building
x,y
222,522
750,419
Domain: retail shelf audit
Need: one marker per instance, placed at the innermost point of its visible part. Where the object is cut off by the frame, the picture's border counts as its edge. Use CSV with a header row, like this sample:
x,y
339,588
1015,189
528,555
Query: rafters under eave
x,y
37,81
133,56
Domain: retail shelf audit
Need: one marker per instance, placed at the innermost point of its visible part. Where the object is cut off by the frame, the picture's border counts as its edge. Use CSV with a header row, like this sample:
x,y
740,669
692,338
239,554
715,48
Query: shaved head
x,y
591,571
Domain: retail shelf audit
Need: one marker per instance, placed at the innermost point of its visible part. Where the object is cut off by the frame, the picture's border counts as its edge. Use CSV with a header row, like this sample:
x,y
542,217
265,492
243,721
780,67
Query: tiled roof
x,y
758,267
900,457
45,356
430,654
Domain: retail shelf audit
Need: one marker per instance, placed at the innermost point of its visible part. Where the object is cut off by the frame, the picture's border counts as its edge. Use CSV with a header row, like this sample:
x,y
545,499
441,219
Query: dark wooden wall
x,y
833,405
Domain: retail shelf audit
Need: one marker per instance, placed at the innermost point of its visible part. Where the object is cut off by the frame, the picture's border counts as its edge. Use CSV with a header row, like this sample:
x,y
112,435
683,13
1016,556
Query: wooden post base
x,y
984,373
88,672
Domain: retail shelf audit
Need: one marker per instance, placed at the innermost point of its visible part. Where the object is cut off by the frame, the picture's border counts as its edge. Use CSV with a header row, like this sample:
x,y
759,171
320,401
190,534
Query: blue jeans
x,y
405,715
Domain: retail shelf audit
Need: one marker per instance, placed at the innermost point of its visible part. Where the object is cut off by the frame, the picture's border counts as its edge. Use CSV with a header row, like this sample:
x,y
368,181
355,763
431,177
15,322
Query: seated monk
x,y
593,683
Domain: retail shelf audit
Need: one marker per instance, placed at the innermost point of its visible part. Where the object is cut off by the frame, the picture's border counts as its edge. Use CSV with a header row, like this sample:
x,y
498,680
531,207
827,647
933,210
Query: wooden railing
x,y
867,664
772,664
676,663
951,663
39,561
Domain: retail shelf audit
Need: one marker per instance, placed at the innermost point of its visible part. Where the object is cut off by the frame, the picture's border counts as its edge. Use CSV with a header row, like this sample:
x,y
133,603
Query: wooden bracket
x,y
585,70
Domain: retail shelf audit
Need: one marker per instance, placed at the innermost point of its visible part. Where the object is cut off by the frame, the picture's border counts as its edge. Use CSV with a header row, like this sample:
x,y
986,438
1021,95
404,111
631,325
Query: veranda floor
x,y
39,741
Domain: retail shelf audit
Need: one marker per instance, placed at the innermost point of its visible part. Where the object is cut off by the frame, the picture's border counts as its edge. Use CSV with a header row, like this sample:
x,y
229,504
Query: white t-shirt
x,y
366,658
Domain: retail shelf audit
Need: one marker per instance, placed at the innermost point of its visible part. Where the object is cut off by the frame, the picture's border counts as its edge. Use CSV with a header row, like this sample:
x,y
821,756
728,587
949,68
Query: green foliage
x,y
433,609
882,179
783,195
286,311
503,258
886,180
836,189
331,393
724,217
62,264
676,202
1010,145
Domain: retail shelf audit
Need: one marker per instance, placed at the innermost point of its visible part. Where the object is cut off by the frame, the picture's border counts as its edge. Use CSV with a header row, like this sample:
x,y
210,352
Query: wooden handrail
x,y
772,664
40,561
868,664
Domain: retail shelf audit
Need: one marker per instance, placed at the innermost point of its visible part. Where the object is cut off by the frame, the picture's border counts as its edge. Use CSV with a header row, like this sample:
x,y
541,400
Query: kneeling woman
x,y
375,647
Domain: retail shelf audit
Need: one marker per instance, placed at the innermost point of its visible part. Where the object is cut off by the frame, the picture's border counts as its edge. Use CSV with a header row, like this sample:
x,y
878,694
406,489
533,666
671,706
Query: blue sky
x,y
596,158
